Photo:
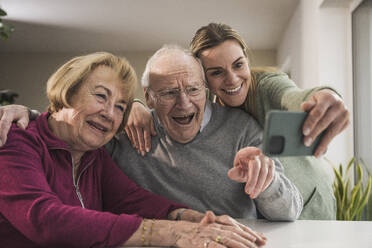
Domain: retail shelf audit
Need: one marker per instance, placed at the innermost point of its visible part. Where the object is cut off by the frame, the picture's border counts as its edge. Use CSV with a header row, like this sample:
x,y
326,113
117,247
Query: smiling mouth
x,y
184,119
233,91
97,126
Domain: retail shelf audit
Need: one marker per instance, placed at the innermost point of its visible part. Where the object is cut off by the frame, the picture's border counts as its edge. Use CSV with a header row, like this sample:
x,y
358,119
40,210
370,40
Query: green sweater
x,y
309,174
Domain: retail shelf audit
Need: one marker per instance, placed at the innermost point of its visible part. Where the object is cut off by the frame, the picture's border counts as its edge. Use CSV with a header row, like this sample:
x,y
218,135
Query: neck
x,y
60,129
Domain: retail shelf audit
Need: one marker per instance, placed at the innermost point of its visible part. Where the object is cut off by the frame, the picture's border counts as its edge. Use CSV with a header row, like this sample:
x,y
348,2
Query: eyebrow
x,y
218,67
108,91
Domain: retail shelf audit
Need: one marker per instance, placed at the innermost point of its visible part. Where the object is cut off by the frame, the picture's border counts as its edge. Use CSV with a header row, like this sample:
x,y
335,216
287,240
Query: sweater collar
x,y
47,135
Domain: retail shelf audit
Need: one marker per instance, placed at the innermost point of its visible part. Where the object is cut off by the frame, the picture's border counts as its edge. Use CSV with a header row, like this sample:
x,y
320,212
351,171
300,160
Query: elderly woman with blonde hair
x,y
60,188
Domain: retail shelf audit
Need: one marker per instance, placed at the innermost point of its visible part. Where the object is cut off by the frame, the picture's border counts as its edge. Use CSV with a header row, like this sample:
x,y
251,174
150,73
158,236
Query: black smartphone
x,y
283,135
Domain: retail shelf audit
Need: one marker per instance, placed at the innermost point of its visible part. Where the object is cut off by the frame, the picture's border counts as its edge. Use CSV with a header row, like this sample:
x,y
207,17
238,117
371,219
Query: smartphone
x,y
283,135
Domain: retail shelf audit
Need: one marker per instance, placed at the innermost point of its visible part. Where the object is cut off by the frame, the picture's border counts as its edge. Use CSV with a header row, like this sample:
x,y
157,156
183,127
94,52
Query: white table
x,y
314,234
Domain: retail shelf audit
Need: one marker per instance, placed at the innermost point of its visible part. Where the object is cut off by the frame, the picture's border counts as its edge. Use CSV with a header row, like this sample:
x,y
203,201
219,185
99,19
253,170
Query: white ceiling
x,y
137,25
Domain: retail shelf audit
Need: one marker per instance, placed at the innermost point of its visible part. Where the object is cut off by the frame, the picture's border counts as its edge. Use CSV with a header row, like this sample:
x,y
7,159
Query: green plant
x,y
351,200
5,29
7,97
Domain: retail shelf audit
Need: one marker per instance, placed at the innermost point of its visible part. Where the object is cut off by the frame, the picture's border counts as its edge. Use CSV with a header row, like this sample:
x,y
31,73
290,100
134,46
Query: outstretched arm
x,y
326,109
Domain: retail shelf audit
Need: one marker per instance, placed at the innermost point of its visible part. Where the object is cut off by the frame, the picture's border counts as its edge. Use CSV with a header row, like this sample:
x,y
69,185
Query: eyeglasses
x,y
170,95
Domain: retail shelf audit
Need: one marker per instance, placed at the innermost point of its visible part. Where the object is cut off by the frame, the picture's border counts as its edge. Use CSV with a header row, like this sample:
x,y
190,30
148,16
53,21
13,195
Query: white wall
x,y
27,73
317,43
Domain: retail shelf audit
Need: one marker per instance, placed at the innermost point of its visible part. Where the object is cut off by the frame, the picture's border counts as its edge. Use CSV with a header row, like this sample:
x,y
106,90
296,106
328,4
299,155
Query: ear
x,y
149,99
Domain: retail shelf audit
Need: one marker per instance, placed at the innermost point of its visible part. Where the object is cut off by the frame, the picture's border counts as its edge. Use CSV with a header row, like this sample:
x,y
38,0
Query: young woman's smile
x,y
227,72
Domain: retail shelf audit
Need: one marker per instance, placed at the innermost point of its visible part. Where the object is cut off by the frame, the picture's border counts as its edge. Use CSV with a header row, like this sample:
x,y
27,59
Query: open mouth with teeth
x,y
97,126
233,91
184,119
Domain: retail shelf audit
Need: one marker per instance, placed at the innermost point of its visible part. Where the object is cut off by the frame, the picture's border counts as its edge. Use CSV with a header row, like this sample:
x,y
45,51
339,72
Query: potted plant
x,y
5,29
351,200
7,97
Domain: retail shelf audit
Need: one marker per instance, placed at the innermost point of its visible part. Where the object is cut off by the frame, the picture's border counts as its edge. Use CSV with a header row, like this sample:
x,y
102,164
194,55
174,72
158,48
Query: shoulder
x,y
235,116
265,77
24,144
20,137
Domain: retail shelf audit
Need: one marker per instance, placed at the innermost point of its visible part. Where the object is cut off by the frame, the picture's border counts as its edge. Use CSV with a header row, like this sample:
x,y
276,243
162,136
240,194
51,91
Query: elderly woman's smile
x,y
96,112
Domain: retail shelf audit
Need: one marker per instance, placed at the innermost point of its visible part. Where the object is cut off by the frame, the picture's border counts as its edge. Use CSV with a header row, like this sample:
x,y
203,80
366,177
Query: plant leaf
x,y
351,162
2,12
365,197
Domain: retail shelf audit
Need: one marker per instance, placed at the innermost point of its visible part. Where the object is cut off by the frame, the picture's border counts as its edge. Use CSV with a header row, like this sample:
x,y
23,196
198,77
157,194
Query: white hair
x,y
145,80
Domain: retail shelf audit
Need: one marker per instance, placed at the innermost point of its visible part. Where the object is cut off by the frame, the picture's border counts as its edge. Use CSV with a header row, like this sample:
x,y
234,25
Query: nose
x,y
183,100
108,111
231,77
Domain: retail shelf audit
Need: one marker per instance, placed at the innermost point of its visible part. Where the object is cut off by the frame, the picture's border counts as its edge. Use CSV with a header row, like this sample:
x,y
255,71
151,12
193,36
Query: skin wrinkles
x,y
169,73
95,114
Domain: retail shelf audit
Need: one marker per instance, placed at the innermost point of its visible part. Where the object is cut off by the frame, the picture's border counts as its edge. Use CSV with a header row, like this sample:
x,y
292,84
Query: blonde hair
x,y
212,35
66,81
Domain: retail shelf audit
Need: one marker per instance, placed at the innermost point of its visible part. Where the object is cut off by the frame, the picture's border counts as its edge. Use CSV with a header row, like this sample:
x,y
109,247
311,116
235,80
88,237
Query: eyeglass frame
x,y
157,94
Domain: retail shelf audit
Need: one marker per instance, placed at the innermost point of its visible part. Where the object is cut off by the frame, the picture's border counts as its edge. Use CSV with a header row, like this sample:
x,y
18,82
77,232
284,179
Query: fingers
x,y
246,153
314,116
140,127
250,234
23,122
270,175
262,177
308,105
238,174
208,218
131,136
147,138
235,240
328,113
335,115
253,172
5,125
8,114
334,129
140,141
261,172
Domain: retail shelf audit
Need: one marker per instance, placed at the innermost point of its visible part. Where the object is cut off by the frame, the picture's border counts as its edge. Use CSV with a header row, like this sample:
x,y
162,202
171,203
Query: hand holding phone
x,y
283,135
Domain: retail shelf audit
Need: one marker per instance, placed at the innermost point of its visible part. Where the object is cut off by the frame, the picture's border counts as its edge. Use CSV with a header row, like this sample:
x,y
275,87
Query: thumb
x,y
208,218
236,174
246,153
22,123
308,105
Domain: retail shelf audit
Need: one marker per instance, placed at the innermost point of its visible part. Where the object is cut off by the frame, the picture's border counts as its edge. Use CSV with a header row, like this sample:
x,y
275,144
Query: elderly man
x,y
198,158
195,148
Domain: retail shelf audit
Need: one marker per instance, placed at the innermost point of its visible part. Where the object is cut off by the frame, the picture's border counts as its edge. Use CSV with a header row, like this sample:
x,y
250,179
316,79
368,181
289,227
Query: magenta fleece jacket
x,y
39,203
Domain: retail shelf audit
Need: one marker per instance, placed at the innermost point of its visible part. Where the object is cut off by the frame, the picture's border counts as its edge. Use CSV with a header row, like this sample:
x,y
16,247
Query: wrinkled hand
x,y
210,234
8,114
253,168
326,111
257,237
139,127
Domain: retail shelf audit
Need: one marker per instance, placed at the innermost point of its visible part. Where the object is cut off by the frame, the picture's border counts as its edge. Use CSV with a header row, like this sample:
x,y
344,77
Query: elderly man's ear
x,y
150,101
